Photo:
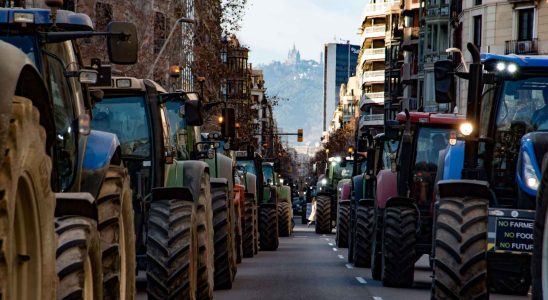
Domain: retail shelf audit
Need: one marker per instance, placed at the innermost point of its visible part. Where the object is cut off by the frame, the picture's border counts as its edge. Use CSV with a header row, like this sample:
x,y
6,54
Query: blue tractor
x,y
484,212
47,146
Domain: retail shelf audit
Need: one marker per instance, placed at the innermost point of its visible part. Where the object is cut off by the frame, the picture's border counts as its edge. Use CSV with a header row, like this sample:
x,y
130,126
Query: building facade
x,y
339,64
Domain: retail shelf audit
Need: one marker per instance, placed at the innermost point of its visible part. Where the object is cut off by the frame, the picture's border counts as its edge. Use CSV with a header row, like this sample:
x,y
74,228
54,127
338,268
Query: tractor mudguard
x,y
188,174
251,183
21,78
215,182
345,191
168,193
453,162
400,201
386,187
367,202
358,182
76,204
464,188
324,193
222,168
101,150
284,193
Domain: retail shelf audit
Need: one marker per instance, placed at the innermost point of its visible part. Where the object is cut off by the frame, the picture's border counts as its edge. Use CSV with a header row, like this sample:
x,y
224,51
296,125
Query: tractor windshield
x,y
176,123
430,141
127,118
25,43
524,102
249,166
390,148
268,174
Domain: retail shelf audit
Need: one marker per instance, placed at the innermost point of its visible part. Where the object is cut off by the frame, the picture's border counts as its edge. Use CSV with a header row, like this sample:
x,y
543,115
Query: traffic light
x,y
299,135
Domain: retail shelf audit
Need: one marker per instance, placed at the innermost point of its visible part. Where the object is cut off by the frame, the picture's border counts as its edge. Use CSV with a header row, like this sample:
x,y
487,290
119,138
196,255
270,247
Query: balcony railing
x,y
373,76
371,120
371,98
373,9
438,11
374,31
374,53
522,47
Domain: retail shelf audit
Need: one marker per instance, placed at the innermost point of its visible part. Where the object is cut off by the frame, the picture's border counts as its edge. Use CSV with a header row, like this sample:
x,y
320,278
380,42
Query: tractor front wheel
x,y
323,214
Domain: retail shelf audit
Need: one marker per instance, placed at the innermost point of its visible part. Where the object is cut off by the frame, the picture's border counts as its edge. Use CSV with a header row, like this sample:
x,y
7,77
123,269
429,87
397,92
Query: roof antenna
x,y
54,5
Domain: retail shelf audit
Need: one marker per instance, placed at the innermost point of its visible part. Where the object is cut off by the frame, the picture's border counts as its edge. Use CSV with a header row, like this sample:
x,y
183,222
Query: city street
x,y
308,266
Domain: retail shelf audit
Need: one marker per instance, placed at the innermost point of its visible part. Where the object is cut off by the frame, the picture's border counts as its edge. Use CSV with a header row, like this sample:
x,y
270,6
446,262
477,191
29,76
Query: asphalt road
x,y
308,266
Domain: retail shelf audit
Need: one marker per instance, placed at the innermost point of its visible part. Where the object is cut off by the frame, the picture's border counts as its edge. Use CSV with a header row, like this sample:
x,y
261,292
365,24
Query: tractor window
x,y
249,166
127,118
429,143
176,123
26,44
268,174
524,102
63,111
390,148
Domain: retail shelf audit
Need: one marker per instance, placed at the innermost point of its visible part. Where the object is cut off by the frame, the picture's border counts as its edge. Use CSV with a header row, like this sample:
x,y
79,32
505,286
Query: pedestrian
x,y
312,217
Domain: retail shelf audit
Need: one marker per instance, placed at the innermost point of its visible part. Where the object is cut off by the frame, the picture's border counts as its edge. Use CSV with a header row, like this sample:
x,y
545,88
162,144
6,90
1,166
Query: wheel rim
x,y
27,257
88,279
544,277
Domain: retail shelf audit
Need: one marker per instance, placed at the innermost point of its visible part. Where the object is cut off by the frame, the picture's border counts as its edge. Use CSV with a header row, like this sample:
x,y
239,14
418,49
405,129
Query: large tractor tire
x,y
223,272
27,233
78,259
172,250
268,227
205,234
248,230
365,218
460,265
398,253
303,214
343,223
284,219
323,214
117,234
255,229
539,262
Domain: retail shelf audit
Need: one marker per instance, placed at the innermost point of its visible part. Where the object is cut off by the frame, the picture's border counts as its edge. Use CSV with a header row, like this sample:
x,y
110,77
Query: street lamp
x,y
457,50
180,20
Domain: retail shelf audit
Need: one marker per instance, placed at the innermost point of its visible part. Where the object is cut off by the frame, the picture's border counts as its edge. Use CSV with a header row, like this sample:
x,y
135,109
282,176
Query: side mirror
x,y
122,44
392,130
444,81
393,164
193,111
228,127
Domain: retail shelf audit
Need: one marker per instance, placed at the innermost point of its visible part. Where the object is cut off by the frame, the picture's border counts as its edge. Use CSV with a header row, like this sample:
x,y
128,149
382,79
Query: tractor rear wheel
x,y
343,222
205,234
223,273
323,214
539,260
268,227
365,216
248,231
117,234
78,259
398,253
171,250
27,232
460,265
284,220
255,229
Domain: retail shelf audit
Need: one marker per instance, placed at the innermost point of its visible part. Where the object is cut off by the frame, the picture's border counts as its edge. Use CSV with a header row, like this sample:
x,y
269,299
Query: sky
x,y
271,27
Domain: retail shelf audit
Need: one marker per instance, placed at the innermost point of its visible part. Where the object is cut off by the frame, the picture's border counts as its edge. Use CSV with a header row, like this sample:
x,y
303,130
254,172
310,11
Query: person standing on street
x,y
312,217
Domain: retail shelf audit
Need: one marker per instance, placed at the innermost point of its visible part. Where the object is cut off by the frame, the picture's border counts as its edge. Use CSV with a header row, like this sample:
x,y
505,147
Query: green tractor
x,y
172,194
83,232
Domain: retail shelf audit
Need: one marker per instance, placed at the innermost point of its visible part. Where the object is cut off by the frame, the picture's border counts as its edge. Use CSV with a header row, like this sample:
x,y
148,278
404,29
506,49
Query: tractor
x,y
171,199
268,210
404,196
48,146
485,212
329,190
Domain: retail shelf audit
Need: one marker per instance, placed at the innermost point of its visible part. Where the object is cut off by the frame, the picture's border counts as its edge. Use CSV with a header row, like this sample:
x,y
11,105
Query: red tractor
x,y
405,193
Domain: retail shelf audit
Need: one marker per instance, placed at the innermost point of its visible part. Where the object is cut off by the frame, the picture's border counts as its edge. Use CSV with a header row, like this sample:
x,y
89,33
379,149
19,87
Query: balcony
x,y
373,31
374,54
373,76
371,98
371,120
439,11
410,4
521,47
376,9
411,33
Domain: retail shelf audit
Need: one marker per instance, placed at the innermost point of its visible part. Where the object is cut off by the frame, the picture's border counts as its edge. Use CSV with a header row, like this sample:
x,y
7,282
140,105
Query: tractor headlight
x,y
512,68
466,128
529,174
22,17
338,159
324,181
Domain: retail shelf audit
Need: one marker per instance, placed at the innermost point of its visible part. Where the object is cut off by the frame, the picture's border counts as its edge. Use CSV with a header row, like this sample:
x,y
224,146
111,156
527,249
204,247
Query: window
x,y
525,24
103,16
477,31
477,2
